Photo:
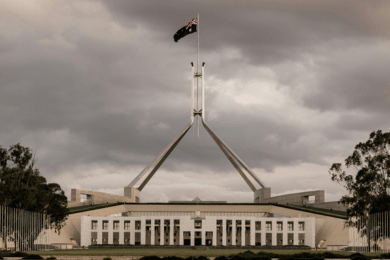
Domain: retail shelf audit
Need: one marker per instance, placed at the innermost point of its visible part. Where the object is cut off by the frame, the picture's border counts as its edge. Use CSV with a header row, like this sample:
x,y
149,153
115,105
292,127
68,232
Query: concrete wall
x,y
333,205
209,224
301,198
96,197
326,228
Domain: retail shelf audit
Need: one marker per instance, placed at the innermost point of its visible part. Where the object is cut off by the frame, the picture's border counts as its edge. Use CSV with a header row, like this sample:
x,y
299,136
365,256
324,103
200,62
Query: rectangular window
x,y
127,224
94,225
301,226
116,225
105,225
290,226
138,225
258,225
268,226
198,223
279,226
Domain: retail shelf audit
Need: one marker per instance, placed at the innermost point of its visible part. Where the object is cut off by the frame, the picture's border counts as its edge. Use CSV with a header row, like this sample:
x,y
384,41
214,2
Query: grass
x,y
326,212
91,207
180,252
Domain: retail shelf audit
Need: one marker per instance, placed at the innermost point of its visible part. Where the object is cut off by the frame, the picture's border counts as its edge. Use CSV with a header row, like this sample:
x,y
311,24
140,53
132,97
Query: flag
x,y
188,29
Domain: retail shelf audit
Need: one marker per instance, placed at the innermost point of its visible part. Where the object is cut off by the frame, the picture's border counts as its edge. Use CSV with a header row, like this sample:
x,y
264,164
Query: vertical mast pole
x,y
197,78
192,91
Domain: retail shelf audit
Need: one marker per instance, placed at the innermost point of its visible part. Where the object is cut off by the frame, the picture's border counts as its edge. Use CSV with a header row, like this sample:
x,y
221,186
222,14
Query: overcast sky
x,y
99,88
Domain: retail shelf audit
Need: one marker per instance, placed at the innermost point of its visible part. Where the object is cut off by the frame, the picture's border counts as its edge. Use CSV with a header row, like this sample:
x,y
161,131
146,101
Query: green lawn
x,y
167,252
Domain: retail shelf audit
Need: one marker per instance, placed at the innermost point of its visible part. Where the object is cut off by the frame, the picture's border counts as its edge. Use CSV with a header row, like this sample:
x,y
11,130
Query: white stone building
x,y
197,228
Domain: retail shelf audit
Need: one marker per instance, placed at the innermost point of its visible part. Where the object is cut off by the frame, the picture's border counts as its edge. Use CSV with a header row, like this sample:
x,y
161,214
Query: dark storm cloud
x,y
266,32
104,87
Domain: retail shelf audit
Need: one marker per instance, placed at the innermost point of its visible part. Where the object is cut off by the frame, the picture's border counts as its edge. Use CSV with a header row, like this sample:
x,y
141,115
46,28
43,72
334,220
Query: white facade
x,y
198,228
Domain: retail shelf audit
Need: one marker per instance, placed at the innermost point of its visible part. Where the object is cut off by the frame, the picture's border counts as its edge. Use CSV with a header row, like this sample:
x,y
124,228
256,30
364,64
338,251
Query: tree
x,y
369,188
22,187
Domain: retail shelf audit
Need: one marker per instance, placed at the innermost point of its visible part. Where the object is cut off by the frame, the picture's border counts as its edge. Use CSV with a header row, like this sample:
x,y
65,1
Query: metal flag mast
x,y
236,161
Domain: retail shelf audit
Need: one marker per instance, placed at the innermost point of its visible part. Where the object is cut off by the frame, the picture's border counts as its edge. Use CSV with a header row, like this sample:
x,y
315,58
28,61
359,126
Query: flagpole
x,y
197,79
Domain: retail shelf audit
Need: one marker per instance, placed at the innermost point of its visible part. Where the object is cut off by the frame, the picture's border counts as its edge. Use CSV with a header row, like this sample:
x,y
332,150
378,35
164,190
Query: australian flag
x,y
188,29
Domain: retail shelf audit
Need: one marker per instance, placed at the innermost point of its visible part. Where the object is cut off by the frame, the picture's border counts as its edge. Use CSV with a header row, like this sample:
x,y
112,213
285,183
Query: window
x,y
258,225
301,241
138,225
268,226
290,226
301,226
127,224
105,224
198,223
279,226
94,225
116,225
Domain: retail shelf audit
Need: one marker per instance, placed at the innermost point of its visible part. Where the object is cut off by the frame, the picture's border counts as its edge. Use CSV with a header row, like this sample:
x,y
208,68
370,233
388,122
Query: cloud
x,y
99,89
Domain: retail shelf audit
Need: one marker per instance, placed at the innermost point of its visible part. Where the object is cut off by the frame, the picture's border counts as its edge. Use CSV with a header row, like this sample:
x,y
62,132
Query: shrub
x,y
385,256
291,258
5,253
358,256
33,257
247,254
221,258
51,258
332,255
261,258
201,258
238,257
152,257
107,258
19,254
172,258
269,255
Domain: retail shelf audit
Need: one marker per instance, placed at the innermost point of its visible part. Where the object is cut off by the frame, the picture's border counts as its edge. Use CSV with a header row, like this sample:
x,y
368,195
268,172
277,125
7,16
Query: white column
x,y
192,237
263,231
132,231
253,234
99,232
234,231
143,231
181,236
172,225
161,232
203,237
110,231
224,231
296,228
243,232
152,232
285,231
274,228
215,233
121,230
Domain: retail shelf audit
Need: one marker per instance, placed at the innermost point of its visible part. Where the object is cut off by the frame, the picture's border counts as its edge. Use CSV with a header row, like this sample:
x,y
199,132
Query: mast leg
x,y
165,155
224,150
